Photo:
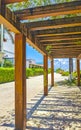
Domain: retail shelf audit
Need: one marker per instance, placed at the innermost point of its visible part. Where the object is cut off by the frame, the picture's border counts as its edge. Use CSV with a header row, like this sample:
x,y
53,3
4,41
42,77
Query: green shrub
x,y
59,70
75,74
33,72
65,73
6,75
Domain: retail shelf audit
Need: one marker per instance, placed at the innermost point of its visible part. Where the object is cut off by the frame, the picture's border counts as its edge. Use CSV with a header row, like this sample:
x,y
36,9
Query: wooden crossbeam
x,y
50,10
8,25
11,1
66,47
62,42
64,56
59,31
55,23
58,52
60,37
59,45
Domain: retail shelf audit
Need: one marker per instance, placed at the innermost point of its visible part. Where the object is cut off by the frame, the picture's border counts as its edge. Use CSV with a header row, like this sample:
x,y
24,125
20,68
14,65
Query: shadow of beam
x,y
29,114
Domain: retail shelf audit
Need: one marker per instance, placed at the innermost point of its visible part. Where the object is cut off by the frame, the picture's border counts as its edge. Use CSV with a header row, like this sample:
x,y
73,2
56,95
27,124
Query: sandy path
x,y
34,86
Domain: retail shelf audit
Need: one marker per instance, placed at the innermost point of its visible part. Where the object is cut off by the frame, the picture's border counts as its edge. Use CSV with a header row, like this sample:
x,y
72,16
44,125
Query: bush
x,y
6,75
65,73
33,72
60,71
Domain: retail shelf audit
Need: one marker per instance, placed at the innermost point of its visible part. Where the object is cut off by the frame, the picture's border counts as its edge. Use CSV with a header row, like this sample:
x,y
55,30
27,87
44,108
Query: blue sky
x,y
33,54
59,63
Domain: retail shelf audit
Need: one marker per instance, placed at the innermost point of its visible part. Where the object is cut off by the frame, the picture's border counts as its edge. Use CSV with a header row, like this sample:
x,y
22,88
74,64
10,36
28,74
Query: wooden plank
x,y
75,42
61,44
64,56
20,82
65,53
78,72
72,55
66,47
50,10
12,1
45,75
52,72
8,25
55,23
60,38
59,31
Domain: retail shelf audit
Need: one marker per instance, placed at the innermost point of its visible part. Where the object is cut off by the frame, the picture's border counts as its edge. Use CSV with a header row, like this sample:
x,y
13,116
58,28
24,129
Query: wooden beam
x,y
55,23
52,72
66,47
60,38
65,50
78,72
74,54
59,31
66,53
20,82
45,75
50,10
76,41
8,25
12,1
64,56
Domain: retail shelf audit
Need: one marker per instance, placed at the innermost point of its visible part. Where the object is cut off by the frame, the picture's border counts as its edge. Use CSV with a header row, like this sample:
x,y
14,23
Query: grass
x,y
67,83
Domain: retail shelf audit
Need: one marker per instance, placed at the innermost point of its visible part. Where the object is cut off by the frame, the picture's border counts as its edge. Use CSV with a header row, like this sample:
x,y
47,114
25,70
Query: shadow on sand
x,y
60,110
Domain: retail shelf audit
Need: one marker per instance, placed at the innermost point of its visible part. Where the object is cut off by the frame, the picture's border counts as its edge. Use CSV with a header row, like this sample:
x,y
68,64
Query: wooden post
x,y
20,82
52,72
70,68
78,72
45,75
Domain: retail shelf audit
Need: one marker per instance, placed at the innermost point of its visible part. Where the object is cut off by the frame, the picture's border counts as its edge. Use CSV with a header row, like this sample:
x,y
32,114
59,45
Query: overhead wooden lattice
x,y
58,38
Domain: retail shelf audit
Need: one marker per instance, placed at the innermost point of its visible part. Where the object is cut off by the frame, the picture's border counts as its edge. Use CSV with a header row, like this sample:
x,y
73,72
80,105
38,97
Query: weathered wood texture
x,y
52,72
8,25
20,82
11,1
60,38
50,10
78,72
55,23
59,31
45,75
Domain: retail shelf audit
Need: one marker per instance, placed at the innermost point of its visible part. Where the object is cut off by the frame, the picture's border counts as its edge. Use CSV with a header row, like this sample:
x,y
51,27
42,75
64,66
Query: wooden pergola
x,y
57,38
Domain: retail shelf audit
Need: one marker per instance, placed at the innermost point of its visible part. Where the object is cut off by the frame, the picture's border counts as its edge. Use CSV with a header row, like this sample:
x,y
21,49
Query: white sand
x,y
34,88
